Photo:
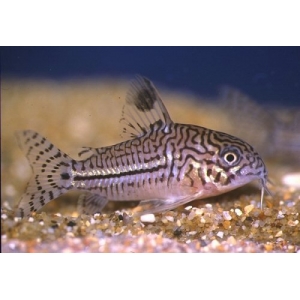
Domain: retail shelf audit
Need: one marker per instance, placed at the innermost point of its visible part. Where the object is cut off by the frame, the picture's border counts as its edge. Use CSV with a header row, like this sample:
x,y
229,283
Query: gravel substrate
x,y
232,222
235,226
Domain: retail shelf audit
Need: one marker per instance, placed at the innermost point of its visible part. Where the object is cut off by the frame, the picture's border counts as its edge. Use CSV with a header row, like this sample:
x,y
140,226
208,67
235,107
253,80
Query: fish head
x,y
235,163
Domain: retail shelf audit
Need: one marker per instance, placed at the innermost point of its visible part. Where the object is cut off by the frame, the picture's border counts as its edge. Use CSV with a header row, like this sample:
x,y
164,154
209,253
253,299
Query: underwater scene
x,y
251,201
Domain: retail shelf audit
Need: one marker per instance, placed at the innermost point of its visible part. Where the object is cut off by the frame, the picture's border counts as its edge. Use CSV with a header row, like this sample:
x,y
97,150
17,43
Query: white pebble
x,y
199,211
214,244
293,223
238,212
256,224
280,215
170,218
227,215
189,207
148,218
220,234
30,220
192,232
292,180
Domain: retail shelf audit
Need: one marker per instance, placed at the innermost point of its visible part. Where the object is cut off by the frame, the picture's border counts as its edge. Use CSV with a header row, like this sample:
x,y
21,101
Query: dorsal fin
x,y
143,109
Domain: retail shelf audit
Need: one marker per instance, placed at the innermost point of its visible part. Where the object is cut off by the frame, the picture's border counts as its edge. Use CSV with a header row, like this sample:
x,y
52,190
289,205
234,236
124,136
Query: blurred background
x,y
271,75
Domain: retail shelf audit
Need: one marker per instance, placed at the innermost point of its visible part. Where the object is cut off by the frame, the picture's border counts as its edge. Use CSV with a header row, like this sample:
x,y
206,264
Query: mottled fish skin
x,y
163,164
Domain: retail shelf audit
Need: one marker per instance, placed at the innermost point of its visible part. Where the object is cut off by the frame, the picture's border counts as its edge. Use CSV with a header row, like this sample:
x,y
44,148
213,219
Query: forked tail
x,y
51,172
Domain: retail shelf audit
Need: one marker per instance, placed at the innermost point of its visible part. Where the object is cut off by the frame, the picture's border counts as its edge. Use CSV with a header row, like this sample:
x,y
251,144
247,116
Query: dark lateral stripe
x,y
129,173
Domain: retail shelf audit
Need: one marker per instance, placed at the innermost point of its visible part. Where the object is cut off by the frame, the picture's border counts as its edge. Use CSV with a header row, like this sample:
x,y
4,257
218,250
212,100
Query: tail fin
x,y
51,172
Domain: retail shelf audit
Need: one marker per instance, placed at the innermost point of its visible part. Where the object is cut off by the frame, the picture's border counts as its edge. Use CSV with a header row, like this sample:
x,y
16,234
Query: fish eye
x,y
231,156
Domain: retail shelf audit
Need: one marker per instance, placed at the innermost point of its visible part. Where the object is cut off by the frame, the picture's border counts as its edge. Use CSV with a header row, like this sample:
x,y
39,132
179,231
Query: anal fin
x,y
90,204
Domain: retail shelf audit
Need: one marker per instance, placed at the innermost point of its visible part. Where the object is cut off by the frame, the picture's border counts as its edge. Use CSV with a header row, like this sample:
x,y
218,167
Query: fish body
x,y
163,164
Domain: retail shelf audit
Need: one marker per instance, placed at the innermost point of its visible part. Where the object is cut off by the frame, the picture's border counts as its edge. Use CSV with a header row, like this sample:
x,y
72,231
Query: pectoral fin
x,y
159,205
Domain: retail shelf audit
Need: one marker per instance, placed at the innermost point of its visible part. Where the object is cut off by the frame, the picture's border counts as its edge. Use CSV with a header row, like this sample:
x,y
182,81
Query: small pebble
x,y
293,223
231,240
227,215
248,209
214,244
256,224
192,232
170,218
199,211
148,218
292,180
220,234
226,224
280,215
269,247
238,212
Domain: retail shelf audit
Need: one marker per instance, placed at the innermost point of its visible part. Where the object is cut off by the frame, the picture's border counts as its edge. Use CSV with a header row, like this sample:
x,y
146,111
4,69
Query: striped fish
x,y
163,164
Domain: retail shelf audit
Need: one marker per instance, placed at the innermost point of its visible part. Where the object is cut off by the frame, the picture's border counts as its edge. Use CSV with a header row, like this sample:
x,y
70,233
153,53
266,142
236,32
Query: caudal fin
x,y
51,172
